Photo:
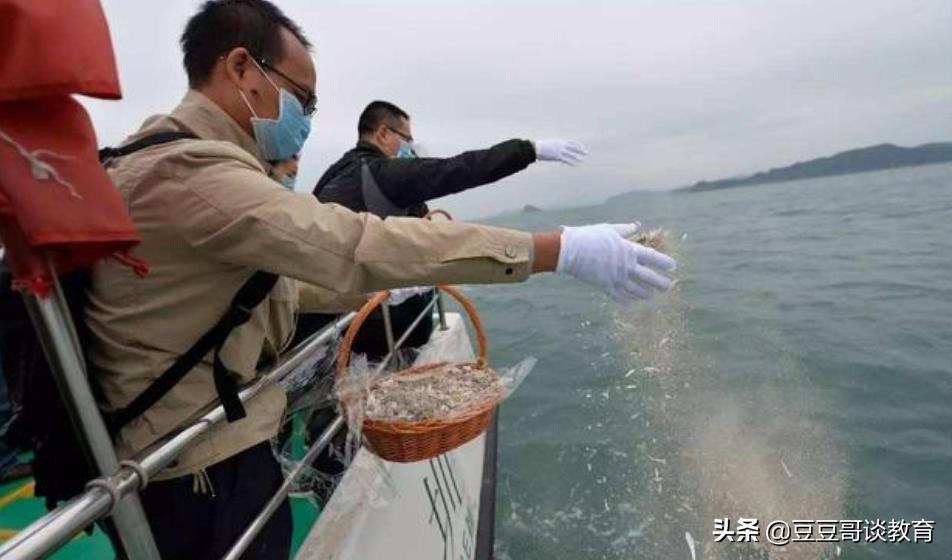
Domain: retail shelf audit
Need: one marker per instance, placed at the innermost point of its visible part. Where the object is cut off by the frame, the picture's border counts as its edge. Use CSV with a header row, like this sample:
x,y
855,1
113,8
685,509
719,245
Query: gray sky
x,y
663,93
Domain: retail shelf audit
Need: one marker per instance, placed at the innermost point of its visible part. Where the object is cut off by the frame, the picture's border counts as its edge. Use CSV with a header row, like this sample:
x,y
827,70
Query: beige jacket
x,y
209,216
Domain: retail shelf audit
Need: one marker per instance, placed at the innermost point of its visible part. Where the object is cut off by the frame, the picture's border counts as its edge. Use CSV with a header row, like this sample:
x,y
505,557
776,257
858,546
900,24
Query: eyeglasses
x,y
309,101
406,137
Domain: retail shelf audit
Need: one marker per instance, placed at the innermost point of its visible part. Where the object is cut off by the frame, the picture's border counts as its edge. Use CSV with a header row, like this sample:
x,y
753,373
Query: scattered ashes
x,y
657,238
430,395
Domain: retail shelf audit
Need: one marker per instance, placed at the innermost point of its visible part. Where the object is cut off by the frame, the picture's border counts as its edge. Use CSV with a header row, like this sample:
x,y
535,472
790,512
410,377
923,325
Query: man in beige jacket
x,y
210,216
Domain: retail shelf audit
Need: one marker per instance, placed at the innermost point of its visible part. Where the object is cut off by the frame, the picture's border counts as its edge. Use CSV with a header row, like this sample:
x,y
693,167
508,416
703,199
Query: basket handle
x,y
343,357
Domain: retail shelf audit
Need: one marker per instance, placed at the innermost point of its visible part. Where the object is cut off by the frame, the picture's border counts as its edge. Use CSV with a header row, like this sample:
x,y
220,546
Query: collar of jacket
x,y
365,148
210,122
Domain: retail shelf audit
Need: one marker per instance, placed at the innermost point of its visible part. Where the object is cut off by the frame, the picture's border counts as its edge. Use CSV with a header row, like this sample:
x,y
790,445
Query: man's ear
x,y
237,62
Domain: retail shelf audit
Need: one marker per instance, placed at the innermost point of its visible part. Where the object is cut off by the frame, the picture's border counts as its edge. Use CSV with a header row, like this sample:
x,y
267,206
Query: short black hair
x,y
378,113
223,25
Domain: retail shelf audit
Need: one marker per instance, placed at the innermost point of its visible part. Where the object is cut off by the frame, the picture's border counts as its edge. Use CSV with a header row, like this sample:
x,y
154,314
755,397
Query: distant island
x,y
871,158
528,209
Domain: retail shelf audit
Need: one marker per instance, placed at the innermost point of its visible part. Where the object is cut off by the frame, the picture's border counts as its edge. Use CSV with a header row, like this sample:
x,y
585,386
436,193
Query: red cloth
x,y
67,207
56,201
55,47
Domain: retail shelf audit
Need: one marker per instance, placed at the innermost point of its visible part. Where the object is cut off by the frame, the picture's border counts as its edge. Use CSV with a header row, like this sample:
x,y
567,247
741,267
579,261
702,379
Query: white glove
x,y
568,152
601,256
400,295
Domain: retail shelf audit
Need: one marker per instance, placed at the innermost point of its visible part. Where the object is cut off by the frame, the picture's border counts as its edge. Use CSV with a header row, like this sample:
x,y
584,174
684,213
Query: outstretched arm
x,y
254,224
407,182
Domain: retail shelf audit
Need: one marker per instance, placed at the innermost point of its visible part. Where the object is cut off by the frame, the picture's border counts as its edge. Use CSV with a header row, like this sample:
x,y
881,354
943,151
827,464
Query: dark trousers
x,y
196,525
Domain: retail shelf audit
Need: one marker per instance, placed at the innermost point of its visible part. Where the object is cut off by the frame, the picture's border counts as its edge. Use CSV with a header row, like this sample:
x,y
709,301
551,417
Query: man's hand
x,y
601,256
568,152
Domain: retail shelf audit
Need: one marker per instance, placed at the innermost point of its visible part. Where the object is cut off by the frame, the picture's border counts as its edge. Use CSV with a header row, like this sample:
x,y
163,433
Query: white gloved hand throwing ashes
x,y
601,256
568,152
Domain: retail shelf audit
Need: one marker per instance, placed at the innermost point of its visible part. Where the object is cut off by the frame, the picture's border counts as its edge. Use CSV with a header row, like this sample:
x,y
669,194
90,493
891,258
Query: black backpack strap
x,y
253,292
143,143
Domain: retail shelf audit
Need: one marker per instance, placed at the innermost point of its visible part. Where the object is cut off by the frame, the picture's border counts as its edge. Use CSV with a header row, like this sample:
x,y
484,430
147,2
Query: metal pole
x,y
262,519
441,310
252,531
54,529
58,337
403,338
58,527
157,458
387,327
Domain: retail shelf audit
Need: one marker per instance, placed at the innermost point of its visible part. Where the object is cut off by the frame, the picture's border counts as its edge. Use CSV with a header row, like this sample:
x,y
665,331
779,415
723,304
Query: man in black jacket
x,y
383,175
400,184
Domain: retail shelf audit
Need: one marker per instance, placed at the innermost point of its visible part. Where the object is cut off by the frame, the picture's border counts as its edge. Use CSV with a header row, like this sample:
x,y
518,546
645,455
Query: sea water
x,y
800,370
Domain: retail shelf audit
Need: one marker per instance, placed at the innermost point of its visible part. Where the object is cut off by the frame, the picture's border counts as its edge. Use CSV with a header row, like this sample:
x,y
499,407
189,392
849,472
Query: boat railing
x,y
113,495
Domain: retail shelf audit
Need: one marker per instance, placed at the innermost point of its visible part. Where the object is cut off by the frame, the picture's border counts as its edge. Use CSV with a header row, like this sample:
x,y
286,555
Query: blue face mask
x,y
288,181
284,136
405,151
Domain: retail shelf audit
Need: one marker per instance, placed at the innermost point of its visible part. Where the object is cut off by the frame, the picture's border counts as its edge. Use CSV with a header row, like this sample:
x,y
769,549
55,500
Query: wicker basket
x,y
409,441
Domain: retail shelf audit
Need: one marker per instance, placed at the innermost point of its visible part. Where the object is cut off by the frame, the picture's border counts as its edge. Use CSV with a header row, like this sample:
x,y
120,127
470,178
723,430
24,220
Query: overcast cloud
x,y
663,93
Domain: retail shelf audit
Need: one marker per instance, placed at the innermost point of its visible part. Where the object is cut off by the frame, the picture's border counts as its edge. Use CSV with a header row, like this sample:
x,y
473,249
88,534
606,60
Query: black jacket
x,y
367,180
406,184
